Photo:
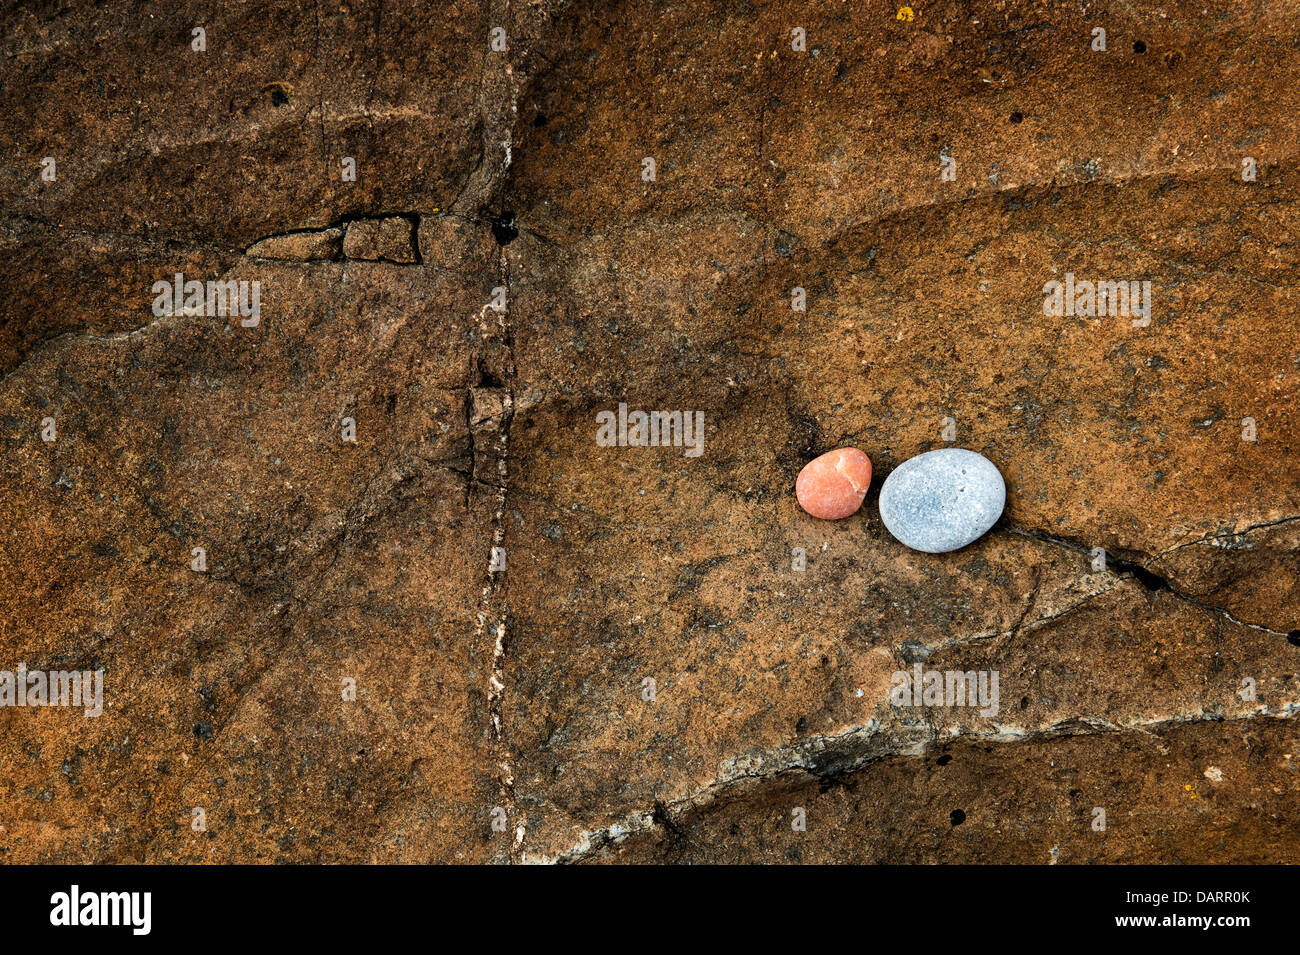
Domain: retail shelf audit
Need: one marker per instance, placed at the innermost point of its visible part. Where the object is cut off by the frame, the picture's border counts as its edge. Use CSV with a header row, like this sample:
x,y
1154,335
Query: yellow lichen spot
x,y
905,14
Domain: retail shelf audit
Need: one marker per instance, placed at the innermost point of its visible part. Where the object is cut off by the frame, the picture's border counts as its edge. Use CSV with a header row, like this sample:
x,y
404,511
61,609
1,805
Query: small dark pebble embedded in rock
x,y
503,228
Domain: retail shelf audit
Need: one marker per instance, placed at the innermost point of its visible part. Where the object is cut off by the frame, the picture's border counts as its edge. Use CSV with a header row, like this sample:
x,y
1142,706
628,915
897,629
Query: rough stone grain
x,y
300,246
390,239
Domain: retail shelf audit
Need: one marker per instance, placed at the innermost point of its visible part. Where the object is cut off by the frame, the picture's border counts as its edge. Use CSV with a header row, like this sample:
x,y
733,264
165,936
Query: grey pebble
x,y
942,500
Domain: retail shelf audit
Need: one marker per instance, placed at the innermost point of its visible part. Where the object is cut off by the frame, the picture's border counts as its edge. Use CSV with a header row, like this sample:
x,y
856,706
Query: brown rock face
x,y
388,239
365,574
300,246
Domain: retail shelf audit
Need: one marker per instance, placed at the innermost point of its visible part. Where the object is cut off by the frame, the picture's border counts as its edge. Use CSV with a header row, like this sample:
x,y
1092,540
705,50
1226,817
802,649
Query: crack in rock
x,y
1143,575
856,748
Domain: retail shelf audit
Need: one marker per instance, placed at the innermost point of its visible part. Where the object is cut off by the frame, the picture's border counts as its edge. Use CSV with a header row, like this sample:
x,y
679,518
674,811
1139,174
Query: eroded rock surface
x,y
564,650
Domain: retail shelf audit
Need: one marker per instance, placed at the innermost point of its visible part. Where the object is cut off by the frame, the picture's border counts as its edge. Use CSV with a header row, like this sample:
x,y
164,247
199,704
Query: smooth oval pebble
x,y
942,500
833,485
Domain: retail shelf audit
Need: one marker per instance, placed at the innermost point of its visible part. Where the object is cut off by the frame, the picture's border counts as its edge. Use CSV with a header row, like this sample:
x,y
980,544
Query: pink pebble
x,y
833,485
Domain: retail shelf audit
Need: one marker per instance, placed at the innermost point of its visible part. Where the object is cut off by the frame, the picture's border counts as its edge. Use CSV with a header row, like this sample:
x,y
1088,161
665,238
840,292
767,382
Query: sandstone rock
x,y
521,694
390,239
487,408
325,244
449,241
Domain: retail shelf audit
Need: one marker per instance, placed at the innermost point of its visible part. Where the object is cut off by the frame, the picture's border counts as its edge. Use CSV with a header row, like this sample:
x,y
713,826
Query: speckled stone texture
x,y
667,656
942,500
